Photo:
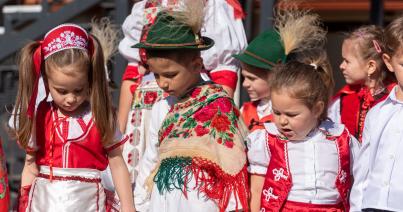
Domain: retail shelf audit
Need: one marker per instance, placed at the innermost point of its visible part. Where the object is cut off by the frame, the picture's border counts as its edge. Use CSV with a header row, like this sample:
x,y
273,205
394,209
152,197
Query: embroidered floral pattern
x,y
2,188
206,111
268,194
278,174
343,176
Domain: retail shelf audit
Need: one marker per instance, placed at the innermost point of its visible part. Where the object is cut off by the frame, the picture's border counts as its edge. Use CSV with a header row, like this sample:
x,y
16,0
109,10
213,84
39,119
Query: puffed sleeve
x,y
333,112
258,152
132,28
118,140
228,33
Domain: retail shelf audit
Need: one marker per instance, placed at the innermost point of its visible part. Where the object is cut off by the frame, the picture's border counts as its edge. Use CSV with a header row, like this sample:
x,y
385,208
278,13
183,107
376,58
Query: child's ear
x,y
388,61
318,109
371,65
197,63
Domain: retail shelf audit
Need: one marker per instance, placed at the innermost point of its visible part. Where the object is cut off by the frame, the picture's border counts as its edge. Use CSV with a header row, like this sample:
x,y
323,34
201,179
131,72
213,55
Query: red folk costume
x,y
68,150
278,180
354,103
251,117
4,188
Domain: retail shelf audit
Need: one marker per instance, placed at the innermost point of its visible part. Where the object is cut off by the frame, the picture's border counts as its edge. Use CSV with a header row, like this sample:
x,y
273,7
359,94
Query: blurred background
x,y
24,20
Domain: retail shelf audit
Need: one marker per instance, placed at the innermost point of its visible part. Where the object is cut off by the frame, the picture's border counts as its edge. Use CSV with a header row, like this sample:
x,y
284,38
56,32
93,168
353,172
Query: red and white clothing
x,y
222,23
351,104
256,113
70,156
378,172
303,171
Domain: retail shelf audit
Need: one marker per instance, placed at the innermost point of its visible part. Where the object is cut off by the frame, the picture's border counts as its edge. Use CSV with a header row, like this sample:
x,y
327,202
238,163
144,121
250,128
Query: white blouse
x,y
333,111
313,162
378,173
219,25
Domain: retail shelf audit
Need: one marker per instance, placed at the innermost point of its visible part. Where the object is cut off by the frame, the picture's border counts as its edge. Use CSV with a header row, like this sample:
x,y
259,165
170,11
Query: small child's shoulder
x,y
331,128
271,128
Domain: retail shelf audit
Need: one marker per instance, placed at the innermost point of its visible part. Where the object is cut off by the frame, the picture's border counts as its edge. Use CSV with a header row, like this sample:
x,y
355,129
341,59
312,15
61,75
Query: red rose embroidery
x,y
200,131
150,97
229,144
167,131
223,103
205,114
202,99
196,92
219,141
220,123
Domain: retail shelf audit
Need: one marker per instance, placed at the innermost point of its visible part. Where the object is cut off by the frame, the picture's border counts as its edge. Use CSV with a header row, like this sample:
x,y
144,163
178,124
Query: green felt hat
x,y
265,51
167,34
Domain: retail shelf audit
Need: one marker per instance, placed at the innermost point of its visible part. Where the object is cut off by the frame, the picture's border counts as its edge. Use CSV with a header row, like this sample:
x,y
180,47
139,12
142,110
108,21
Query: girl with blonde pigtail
x,y
301,160
72,138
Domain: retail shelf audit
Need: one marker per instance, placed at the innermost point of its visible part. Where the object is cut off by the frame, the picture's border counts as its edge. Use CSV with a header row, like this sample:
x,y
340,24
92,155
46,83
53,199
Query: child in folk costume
x,y
201,156
379,168
368,81
4,188
139,90
256,70
305,156
72,138
300,33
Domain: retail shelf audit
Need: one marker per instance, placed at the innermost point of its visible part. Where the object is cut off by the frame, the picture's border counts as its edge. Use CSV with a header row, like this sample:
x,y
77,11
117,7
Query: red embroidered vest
x,y
251,119
54,149
278,180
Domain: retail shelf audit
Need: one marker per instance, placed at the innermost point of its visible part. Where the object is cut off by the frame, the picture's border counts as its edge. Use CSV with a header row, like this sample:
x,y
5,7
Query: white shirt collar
x,y
392,96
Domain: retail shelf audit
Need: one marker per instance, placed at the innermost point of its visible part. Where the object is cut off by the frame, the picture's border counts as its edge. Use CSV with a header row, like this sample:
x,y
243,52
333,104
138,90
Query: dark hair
x,y
309,83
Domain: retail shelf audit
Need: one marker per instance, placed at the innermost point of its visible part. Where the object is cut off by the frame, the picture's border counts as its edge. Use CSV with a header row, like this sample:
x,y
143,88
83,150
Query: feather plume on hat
x,y
299,29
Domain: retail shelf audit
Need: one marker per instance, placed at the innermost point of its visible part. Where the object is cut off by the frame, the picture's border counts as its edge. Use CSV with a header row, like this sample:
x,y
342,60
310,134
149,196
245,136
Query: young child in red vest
x,y
71,139
256,70
368,81
305,157
378,172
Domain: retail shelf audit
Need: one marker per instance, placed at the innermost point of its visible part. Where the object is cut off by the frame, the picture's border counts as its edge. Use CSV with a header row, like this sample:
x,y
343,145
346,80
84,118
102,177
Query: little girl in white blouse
x,y
303,158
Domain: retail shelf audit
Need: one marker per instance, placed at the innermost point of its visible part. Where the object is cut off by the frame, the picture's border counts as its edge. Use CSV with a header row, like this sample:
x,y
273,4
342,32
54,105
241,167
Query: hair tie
x,y
360,33
377,46
314,66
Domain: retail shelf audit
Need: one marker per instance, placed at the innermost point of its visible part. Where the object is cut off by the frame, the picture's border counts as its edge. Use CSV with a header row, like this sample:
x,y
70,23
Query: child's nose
x,y
342,65
71,99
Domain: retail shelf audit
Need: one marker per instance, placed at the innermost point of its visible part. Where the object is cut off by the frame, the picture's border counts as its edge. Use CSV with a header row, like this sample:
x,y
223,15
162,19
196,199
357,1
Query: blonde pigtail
x,y
23,125
101,104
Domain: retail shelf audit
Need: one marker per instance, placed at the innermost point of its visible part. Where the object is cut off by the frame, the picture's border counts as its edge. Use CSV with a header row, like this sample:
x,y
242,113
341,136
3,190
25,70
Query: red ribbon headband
x,y
65,36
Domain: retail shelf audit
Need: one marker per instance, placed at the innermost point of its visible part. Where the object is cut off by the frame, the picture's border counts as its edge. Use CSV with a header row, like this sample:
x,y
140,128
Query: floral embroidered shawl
x,y
202,137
